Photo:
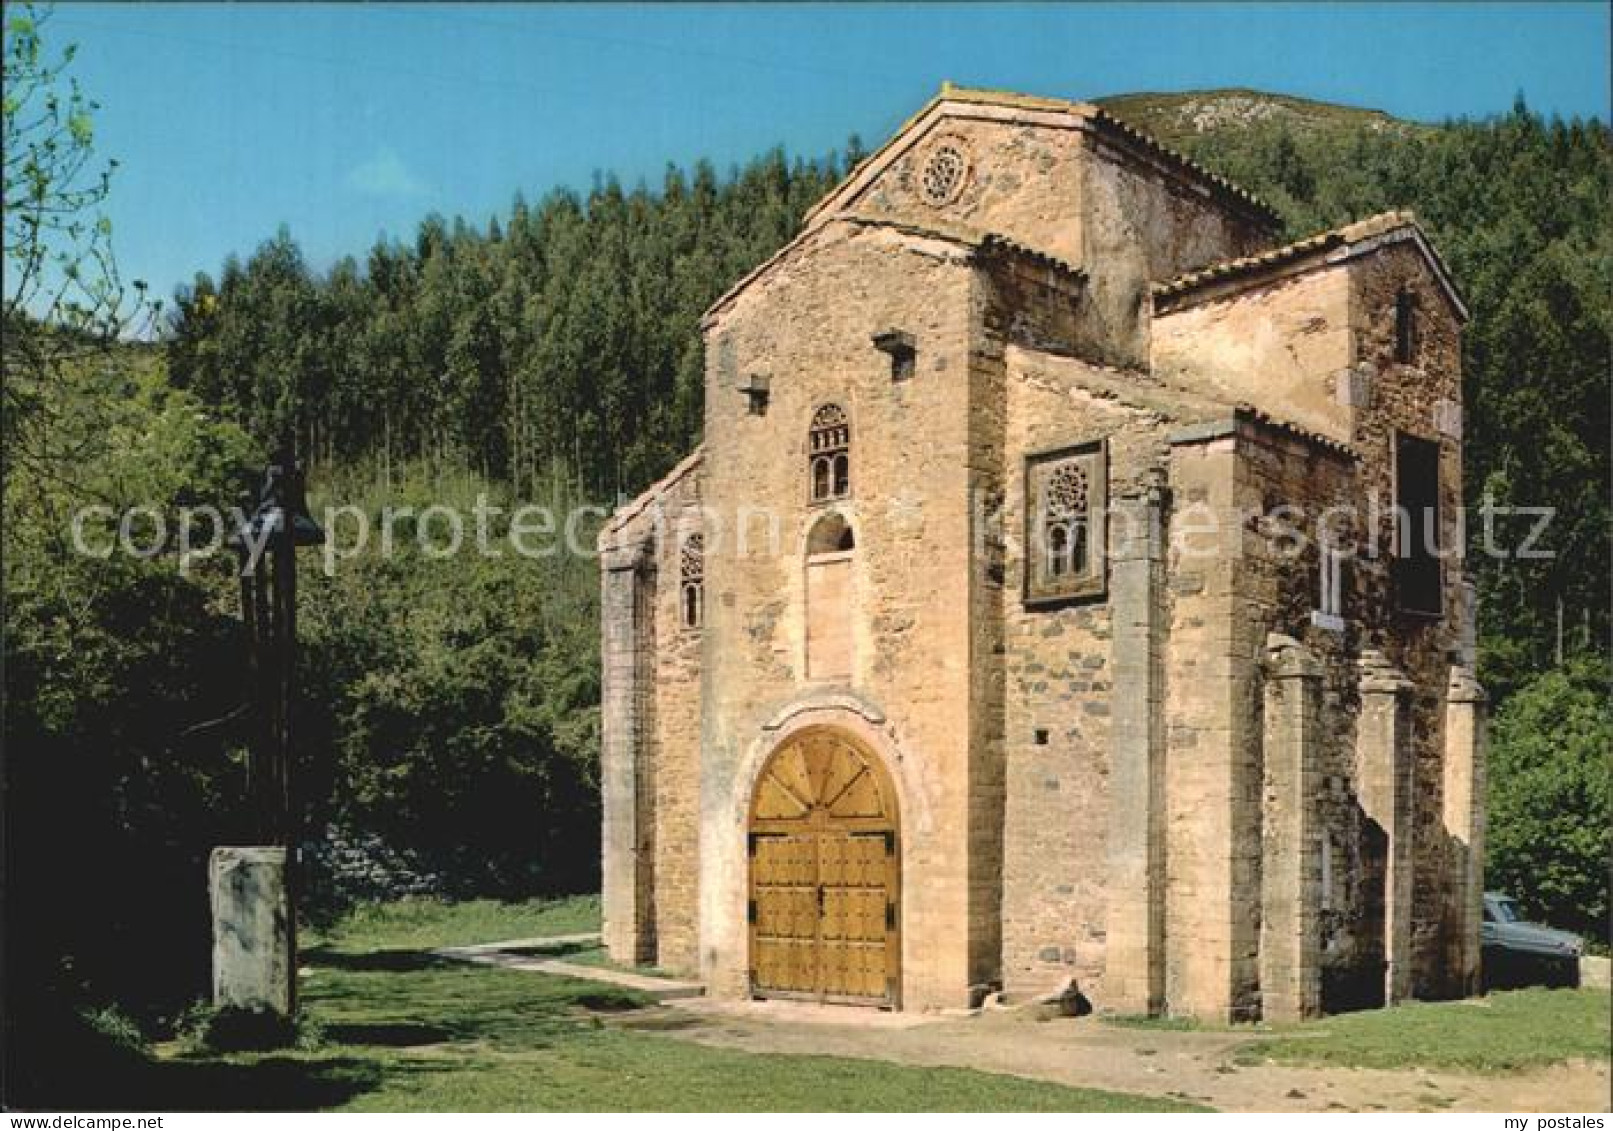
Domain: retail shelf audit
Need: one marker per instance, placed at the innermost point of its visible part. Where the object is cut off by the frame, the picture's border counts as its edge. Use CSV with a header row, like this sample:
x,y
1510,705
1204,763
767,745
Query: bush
x,y
1548,842
208,1028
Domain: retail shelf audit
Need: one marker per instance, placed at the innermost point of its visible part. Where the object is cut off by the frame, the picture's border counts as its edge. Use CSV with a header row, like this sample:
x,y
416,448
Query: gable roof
x,y
986,244
1332,246
1198,413
628,511
1033,107
1037,107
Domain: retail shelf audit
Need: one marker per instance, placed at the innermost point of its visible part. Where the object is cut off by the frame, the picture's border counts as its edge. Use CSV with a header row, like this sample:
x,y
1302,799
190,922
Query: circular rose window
x,y
1067,492
944,173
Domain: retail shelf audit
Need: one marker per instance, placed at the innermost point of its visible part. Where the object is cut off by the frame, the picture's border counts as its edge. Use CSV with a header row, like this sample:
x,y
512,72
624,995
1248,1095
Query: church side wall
x,y
676,743
1285,347
1057,695
650,740
1424,399
1216,681
1140,227
1279,588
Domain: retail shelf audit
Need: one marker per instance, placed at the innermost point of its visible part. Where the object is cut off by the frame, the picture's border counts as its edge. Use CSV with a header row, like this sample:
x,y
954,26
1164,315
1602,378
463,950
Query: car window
x,y
1506,911
1489,915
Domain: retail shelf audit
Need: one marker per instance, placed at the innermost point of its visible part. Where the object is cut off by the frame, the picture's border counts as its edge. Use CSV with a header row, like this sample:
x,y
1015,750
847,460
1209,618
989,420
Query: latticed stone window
x,y
830,453
1066,496
692,574
944,173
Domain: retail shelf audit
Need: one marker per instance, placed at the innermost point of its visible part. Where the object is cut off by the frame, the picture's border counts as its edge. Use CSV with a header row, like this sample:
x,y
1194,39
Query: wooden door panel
x,y
787,965
854,970
824,875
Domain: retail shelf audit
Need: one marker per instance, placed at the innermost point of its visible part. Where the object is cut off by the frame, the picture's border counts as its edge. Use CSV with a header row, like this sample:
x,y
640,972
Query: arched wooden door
x,y
825,873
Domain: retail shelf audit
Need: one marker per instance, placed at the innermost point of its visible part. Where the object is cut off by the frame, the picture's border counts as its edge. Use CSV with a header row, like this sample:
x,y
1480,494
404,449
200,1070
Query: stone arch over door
x,y
823,847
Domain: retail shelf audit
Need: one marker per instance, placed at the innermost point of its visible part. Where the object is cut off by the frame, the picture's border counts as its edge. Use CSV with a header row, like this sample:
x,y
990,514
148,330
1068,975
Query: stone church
x,y
1067,589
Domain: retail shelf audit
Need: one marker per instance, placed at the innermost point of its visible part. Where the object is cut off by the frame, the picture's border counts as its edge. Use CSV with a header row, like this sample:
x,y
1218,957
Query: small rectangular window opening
x,y
1327,871
1405,328
1329,611
1417,573
757,389
903,352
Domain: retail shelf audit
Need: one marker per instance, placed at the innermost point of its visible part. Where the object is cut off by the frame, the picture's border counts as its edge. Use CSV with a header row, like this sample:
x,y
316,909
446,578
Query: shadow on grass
x,y
554,950
396,1035
378,961
607,1001
267,1083
281,1082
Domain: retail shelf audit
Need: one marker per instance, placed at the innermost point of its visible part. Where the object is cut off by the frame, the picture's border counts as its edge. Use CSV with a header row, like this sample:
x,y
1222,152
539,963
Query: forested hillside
x,y
1518,208
551,353
562,335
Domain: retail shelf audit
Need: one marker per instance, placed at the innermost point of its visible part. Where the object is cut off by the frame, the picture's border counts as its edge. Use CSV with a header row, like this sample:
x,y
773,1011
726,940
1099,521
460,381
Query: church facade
x,y
1068,586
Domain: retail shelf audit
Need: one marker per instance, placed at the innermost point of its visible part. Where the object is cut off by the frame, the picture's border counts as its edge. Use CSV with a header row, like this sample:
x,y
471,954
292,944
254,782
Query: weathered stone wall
x,y
1141,226
650,723
1229,588
807,325
1057,699
1358,827
675,740
1284,346
1423,398
1023,178
1052,181
1211,791
625,766
1286,483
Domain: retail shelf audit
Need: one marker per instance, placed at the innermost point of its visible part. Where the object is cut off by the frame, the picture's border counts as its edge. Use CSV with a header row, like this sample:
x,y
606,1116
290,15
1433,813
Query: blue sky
x,y
346,121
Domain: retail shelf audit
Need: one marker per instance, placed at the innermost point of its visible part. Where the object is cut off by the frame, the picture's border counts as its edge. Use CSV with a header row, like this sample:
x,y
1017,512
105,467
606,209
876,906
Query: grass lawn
x,y
1502,1031
404,1031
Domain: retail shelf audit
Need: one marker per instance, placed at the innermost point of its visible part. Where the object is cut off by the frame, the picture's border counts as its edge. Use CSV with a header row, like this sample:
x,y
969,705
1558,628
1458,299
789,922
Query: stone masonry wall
x,y
651,731
1023,179
1284,482
807,326
1048,181
676,743
1281,346
1058,694
1211,790
1423,398
1140,226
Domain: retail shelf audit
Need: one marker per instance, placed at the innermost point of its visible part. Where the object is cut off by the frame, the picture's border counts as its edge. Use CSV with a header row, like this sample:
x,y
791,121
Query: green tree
x,y
63,299
1550,837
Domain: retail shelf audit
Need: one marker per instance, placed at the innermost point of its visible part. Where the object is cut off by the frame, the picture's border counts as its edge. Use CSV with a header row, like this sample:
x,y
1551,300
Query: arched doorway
x,y
825,873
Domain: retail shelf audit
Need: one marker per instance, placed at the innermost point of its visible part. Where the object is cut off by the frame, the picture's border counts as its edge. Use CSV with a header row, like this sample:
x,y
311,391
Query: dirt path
x,y
1089,1053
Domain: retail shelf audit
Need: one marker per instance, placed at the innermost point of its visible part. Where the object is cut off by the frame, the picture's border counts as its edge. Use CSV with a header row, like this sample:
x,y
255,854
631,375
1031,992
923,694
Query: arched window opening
x,y
830,453
831,534
692,571
822,477
1078,550
1058,549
